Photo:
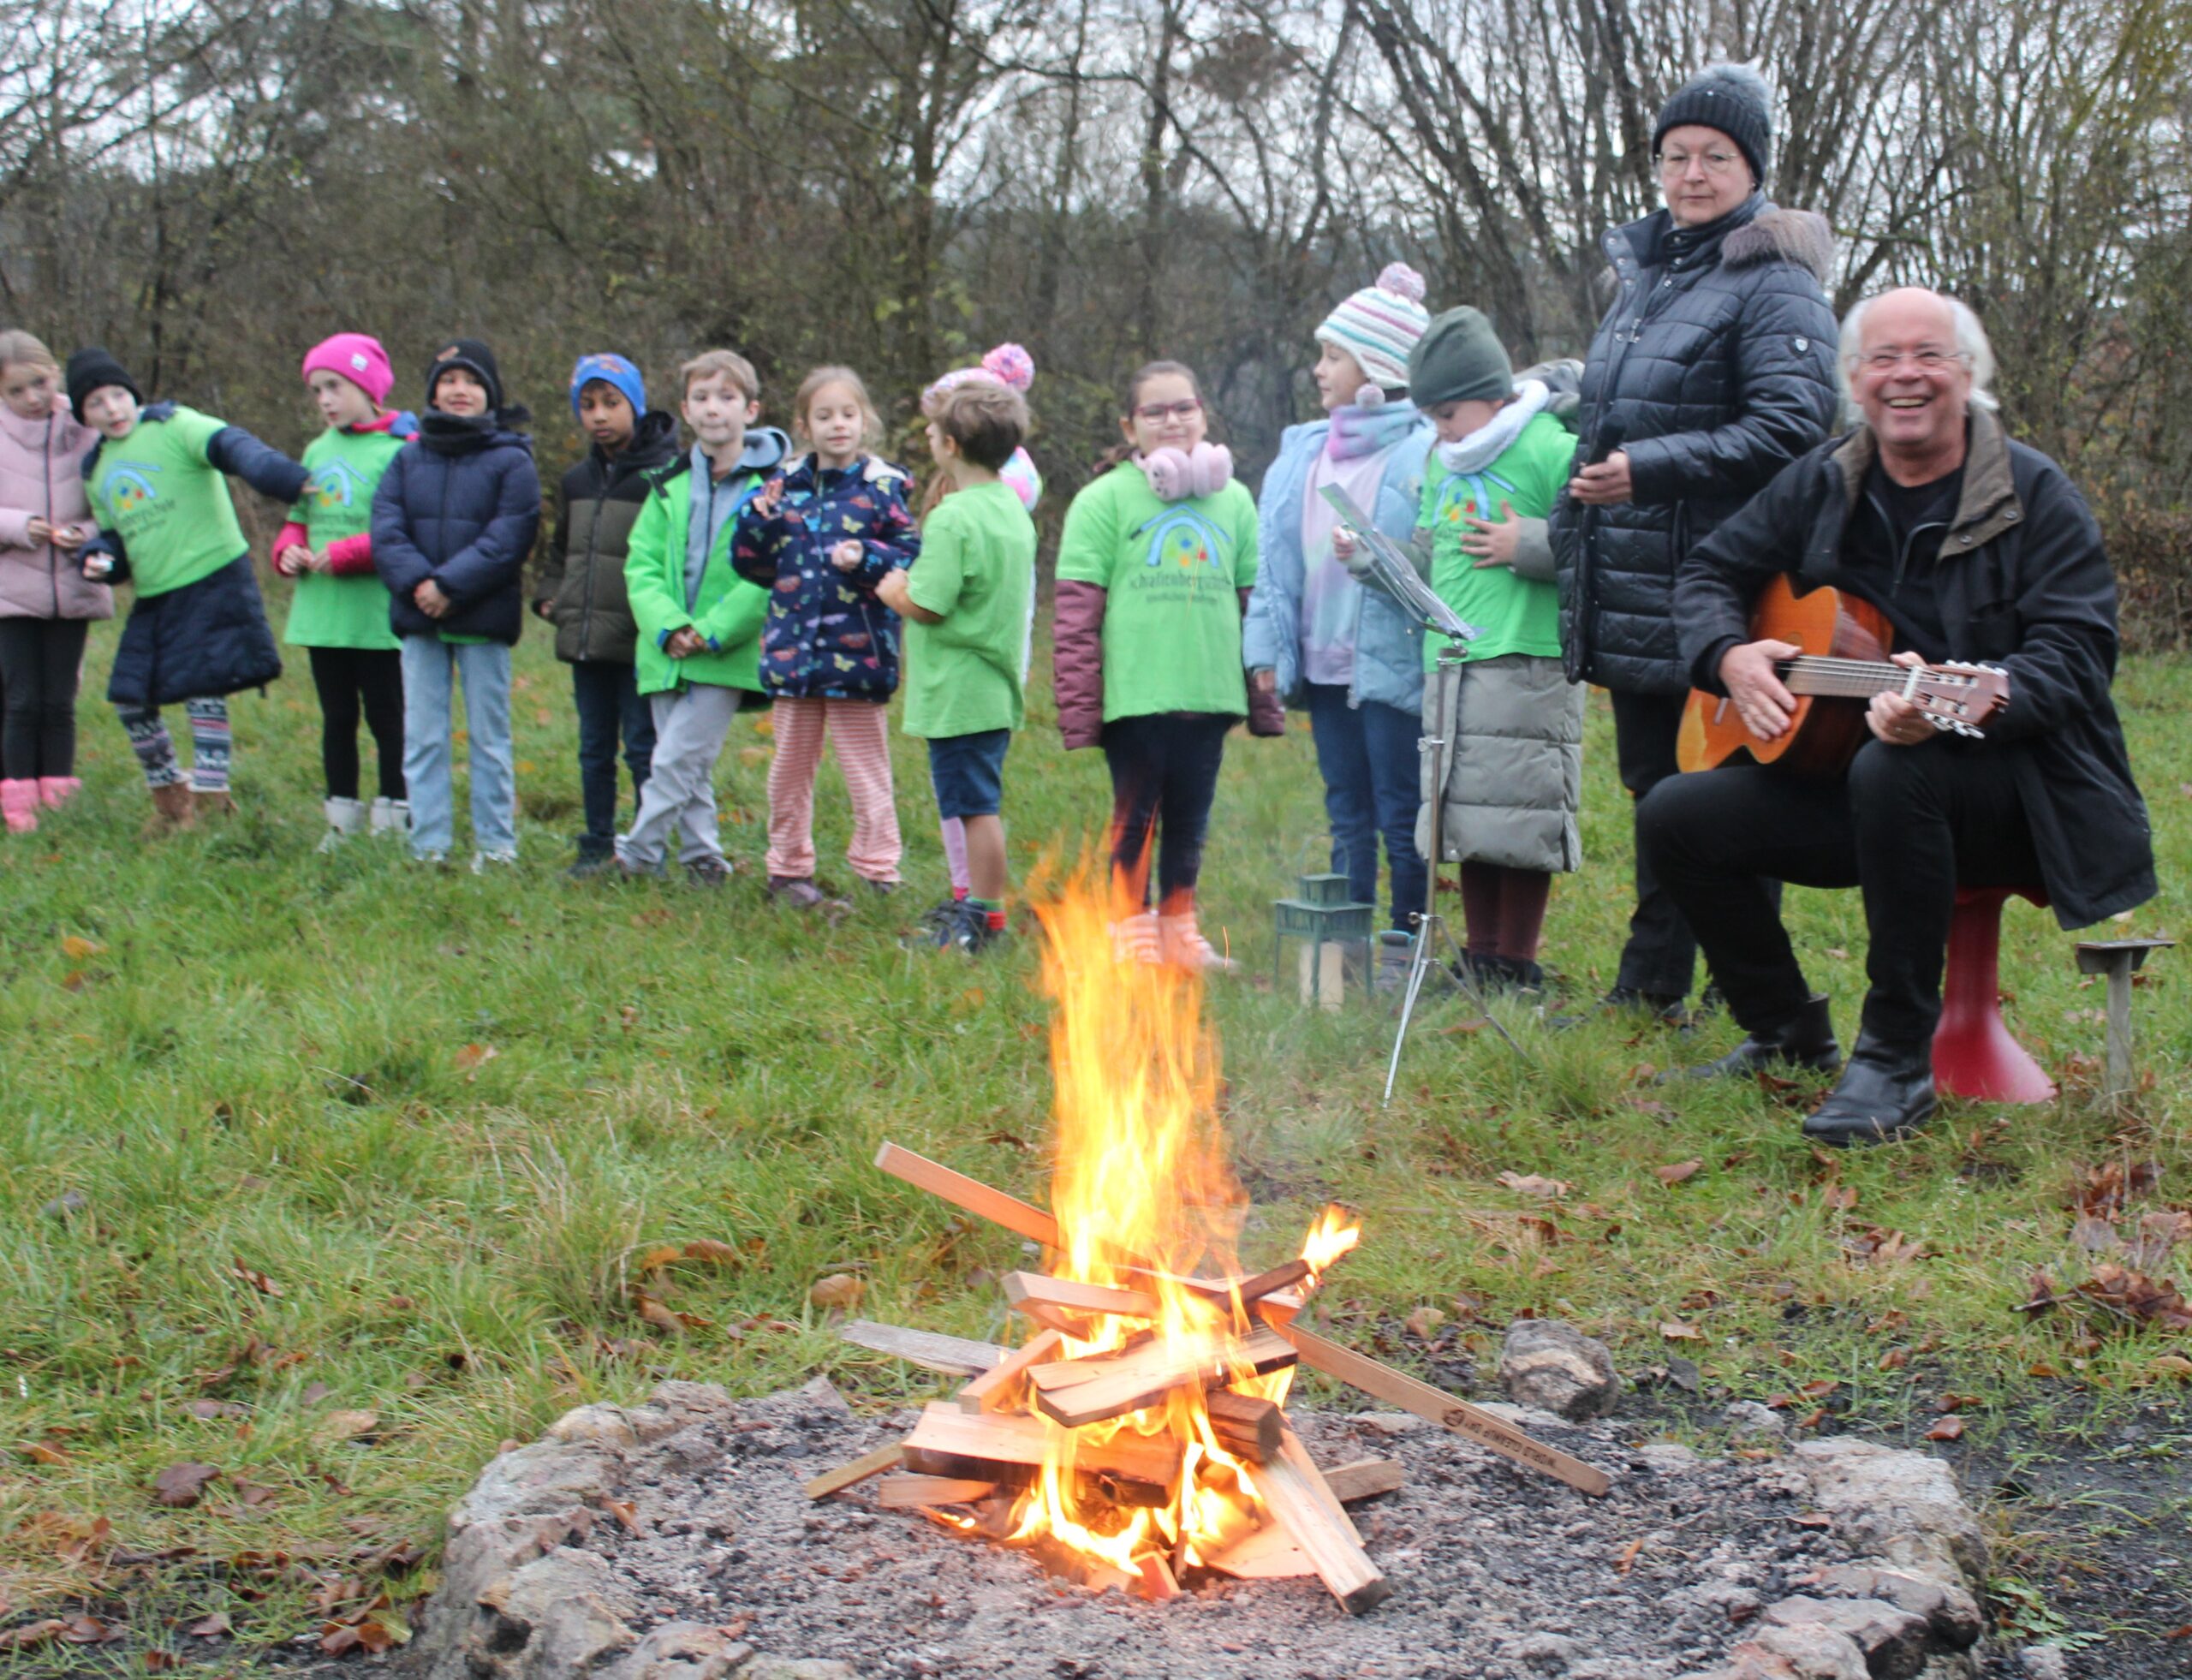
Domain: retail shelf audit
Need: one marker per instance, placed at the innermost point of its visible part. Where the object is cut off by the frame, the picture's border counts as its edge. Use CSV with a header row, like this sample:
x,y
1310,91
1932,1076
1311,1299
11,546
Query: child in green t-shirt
x,y
338,612
1513,723
1154,570
966,603
196,632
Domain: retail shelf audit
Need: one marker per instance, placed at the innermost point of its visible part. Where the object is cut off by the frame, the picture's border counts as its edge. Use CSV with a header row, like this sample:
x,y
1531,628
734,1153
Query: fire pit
x,y
1139,1435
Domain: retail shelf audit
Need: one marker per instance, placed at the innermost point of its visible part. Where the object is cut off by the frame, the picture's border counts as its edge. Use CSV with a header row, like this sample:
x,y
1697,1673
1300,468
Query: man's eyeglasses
x,y
1716,162
1156,414
1926,360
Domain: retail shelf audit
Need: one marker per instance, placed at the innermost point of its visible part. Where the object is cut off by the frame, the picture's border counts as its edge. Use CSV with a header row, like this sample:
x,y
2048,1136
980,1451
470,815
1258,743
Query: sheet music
x,y
1396,573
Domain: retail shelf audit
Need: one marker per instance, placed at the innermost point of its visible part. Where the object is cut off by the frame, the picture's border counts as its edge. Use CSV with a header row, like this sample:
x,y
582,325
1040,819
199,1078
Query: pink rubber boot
x,y
56,791
19,805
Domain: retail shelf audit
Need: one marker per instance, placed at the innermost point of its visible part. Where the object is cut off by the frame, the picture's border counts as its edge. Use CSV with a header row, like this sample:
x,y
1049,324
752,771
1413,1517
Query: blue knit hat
x,y
613,371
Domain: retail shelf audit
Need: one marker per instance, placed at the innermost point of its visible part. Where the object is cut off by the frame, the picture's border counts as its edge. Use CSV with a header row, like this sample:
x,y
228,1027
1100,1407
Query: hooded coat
x,y
42,476
461,505
1714,369
581,576
2022,582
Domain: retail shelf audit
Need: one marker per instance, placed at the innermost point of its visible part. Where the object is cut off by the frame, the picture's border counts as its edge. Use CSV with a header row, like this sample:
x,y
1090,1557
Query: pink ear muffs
x,y
1176,474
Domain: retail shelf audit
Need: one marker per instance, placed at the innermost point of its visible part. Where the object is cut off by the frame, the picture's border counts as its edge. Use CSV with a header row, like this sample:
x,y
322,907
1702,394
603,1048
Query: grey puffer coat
x,y
1714,369
1514,773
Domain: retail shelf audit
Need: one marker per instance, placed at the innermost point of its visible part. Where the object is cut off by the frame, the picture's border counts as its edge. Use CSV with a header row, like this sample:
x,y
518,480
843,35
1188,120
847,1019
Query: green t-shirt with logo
x,y
352,612
1172,571
1518,615
169,502
977,568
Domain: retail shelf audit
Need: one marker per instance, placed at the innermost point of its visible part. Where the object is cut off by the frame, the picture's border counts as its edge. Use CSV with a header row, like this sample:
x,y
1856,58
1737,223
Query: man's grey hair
x,y
1971,344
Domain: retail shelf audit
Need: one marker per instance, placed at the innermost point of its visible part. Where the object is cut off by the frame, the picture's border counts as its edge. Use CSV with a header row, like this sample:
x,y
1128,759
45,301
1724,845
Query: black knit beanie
x,y
475,359
1733,98
91,367
1459,359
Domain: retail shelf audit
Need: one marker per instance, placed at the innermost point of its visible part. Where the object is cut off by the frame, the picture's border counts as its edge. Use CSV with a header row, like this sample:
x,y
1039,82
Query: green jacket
x,y
726,610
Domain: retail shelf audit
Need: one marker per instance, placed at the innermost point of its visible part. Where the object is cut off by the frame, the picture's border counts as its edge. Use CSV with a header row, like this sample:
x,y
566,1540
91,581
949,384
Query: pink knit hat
x,y
359,358
1007,365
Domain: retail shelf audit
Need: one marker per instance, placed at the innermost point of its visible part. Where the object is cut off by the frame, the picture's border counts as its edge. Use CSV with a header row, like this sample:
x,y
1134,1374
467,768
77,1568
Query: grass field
x,y
291,1140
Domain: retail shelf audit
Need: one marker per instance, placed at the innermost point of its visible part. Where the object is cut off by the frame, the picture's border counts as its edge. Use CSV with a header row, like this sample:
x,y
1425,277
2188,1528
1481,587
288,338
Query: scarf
x,y
1359,432
1484,445
466,434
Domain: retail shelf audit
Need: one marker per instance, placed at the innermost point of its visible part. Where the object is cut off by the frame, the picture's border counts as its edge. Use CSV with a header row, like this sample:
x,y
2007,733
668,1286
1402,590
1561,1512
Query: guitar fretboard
x,y
1851,679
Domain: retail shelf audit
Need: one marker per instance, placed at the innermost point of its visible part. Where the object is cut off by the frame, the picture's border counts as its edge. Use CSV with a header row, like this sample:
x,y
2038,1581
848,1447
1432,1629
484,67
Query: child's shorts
x,y
969,772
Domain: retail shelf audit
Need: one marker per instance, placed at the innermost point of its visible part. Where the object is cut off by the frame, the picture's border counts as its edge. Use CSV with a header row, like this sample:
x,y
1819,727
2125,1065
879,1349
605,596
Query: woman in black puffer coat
x,y
1714,369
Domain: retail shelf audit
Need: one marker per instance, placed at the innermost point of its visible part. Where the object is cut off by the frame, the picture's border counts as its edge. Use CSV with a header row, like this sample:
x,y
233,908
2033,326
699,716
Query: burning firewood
x,y
1148,1377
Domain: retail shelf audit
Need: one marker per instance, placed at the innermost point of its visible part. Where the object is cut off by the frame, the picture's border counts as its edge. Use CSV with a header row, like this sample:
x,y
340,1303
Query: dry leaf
x,y
1949,1428
1625,1559
707,1248
258,1280
216,1626
1675,1330
45,1453
1423,1323
1674,1175
1895,1359
626,1513
659,1256
180,1486
2172,1364
78,947
339,1426
839,1290
1533,1184
474,1056
658,1315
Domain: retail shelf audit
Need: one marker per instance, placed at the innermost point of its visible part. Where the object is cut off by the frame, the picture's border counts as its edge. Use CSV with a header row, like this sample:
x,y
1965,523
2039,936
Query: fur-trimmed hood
x,y
1800,236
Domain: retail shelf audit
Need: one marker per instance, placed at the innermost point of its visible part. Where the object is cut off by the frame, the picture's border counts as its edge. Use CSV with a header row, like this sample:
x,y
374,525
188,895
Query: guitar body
x,y
1827,731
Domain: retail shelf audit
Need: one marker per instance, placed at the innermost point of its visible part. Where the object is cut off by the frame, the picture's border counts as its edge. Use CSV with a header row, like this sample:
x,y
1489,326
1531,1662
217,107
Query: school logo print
x,y
1462,494
126,488
337,484
1183,537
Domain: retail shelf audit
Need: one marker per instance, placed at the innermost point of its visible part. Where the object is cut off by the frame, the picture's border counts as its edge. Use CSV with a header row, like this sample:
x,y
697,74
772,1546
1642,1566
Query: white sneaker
x,y
1135,939
481,859
1183,946
345,817
390,816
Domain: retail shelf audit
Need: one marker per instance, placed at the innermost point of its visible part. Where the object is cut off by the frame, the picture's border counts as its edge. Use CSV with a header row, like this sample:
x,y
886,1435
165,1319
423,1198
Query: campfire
x,y
1138,1437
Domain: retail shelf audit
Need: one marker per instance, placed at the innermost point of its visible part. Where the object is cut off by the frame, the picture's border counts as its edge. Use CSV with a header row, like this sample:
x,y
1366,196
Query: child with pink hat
x,y
339,612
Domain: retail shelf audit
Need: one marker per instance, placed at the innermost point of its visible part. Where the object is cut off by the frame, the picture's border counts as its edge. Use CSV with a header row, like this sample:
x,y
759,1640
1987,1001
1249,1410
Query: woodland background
x,y
208,188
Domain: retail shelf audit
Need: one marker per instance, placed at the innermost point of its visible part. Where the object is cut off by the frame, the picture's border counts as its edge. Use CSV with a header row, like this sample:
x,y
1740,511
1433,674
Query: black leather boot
x,y
1885,1093
1805,1039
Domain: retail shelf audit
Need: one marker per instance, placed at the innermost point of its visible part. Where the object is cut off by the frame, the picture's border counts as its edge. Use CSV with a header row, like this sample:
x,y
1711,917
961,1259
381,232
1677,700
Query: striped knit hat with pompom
x,y
1379,325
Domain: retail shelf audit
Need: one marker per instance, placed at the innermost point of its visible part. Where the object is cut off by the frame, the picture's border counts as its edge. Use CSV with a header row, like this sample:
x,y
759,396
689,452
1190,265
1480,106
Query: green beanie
x,y
1459,359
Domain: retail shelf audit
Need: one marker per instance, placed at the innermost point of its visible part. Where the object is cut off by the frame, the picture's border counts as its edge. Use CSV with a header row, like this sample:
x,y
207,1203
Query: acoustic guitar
x,y
1843,665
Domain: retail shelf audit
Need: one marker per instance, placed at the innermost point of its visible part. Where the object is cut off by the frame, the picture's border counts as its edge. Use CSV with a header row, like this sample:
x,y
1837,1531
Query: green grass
x,y
274,1063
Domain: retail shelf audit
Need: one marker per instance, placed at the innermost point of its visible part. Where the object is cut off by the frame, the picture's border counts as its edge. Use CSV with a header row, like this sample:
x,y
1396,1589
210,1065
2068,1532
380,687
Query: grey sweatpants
x,y
689,727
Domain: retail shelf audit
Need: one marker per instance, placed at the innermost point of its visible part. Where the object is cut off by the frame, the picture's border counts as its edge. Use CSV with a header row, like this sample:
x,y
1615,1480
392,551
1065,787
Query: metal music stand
x,y
1397,576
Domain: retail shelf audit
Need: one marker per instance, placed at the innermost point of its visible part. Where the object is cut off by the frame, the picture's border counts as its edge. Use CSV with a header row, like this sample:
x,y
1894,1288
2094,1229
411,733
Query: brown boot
x,y
173,806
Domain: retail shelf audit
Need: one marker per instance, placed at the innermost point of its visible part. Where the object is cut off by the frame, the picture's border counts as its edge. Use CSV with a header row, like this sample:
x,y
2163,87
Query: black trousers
x,y
40,659
610,703
1164,777
1906,826
354,682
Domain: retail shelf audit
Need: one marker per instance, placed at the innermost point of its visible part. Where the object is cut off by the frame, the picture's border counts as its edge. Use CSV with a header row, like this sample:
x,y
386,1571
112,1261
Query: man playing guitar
x,y
1974,548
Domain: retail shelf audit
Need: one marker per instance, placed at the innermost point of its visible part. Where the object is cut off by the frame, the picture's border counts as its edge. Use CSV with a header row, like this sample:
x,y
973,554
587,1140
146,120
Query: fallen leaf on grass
x,y
1675,1330
1671,1176
30,1633
216,1626
839,1290
180,1486
659,1256
337,1427
1423,1323
474,1056
1533,1184
1950,1428
45,1453
1840,1197
1895,1359
707,1248
78,947
1644,1105
258,1280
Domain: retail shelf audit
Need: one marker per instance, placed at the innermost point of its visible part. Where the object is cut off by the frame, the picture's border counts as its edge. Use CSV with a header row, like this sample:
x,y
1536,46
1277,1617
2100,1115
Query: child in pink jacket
x,y
46,603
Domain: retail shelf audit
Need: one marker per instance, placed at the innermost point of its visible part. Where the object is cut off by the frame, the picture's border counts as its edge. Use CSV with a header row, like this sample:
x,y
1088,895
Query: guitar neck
x,y
1848,679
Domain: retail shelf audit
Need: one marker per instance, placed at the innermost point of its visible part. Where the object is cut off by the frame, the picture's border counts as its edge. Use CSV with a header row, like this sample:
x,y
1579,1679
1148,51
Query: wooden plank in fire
x,y
954,1356
1365,1479
971,1194
907,1492
1301,1504
1246,1426
868,1464
1065,1305
1449,1410
1003,1383
1011,1447
1149,1377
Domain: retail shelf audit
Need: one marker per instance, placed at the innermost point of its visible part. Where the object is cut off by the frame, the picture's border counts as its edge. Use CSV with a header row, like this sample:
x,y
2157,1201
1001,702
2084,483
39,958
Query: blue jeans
x,y
431,670
1372,784
610,703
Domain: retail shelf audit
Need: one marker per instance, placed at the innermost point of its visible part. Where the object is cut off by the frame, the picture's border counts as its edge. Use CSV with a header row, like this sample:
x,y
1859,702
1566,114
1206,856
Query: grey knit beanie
x,y
1733,98
1459,359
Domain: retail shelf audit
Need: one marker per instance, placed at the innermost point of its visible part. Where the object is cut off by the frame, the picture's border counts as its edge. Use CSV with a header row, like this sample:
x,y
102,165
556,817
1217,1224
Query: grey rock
x,y
1547,1652
554,1618
68,1202
1555,1368
1804,1653
2044,1662
534,1480
1894,1641
607,1425
1748,1420
1950,1612
1667,1458
1901,1507
822,1395
682,1651
692,1403
776,1668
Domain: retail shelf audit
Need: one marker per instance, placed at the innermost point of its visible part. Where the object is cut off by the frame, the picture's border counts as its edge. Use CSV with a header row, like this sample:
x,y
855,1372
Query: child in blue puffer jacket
x,y
454,518
820,538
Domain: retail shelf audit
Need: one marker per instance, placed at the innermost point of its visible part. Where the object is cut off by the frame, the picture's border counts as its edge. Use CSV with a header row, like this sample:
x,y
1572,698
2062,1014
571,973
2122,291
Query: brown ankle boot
x,y
174,806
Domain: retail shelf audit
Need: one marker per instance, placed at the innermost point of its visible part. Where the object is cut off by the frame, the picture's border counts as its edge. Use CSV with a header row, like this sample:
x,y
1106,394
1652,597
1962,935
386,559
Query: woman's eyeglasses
x,y
1716,162
1156,414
